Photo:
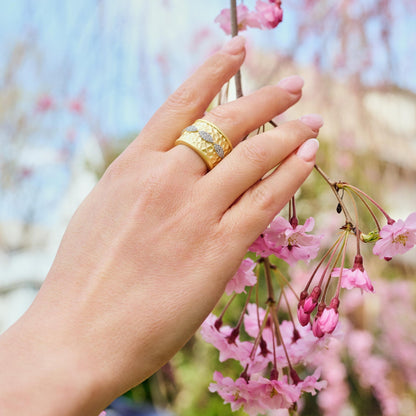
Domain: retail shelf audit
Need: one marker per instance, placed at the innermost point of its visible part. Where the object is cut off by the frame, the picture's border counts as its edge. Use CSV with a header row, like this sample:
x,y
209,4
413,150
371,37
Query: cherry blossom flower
x,y
269,12
245,276
237,393
355,277
396,238
257,395
311,384
241,351
245,18
275,394
260,247
292,244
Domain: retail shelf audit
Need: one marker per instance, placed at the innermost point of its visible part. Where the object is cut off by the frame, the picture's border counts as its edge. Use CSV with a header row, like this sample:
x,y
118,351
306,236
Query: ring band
x,y
206,139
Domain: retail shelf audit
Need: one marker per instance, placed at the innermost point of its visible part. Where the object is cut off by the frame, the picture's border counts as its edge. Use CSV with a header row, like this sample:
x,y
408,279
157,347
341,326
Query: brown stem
x,y
333,186
234,32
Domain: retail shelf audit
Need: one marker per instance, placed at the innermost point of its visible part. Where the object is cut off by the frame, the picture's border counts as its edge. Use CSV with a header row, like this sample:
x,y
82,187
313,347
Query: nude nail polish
x,y
307,151
292,84
234,46
314,121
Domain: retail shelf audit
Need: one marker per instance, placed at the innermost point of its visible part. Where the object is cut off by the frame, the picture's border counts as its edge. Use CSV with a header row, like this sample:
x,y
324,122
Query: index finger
x,y
190,101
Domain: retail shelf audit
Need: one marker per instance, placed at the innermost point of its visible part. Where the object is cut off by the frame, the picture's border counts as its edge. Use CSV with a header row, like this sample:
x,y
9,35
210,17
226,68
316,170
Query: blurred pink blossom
x,y
245,18
270,13
45,103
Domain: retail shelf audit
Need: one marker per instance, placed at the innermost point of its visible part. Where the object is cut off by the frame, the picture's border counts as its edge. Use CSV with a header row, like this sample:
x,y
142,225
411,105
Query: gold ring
x,y
206,139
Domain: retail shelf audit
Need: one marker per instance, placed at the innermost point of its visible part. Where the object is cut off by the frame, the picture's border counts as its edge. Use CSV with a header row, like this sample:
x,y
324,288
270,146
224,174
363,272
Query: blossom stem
x,y
357,226
279,335
358,190
330,259
343,250
334,186
321,261
289,309
369,210
234,32
259,335
227,306
267,272
240,320
287,282
342,267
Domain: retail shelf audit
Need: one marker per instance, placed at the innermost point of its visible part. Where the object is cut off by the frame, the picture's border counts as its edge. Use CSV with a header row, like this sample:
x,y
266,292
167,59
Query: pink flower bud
x,y
303,317
312,300
327,320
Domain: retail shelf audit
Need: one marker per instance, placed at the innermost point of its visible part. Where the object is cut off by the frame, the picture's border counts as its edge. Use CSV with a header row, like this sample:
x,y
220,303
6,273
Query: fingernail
x,y
234,46
314,121
291,84
308,150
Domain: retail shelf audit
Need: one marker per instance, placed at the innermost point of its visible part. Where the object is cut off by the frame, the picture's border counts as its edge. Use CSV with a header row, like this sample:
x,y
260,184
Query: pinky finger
x,y
254,211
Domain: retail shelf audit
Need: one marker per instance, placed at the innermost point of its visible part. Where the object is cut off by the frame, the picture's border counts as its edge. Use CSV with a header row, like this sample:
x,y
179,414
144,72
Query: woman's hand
x,y
149,252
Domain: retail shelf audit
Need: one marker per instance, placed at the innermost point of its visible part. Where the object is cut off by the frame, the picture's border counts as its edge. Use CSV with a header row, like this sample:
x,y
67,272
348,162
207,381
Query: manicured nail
x,y
291,84
314,121
308,150
235,45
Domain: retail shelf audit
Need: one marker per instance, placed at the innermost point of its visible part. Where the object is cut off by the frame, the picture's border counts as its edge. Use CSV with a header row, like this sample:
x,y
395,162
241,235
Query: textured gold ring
x,y
206,139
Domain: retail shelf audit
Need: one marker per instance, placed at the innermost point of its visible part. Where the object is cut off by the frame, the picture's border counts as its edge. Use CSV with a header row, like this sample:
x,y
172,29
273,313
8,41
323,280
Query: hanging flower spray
x,y
277,350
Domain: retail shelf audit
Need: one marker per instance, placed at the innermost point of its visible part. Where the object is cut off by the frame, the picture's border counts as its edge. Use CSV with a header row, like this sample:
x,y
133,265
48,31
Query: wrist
x,y
43,375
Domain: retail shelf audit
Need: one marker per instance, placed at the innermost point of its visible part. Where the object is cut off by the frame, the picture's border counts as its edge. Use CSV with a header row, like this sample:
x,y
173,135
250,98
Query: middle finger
x,y
240,117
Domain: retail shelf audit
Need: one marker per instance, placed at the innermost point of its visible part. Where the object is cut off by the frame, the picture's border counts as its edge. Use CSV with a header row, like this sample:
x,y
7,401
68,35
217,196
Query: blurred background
x,y
80,78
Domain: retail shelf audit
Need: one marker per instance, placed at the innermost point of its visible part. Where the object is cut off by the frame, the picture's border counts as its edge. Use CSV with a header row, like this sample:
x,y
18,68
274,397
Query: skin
x,y
147,255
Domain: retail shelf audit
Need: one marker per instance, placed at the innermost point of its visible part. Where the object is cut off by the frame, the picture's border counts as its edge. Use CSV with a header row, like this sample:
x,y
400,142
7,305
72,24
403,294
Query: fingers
x,y
254,157
191,99
250,216
240,117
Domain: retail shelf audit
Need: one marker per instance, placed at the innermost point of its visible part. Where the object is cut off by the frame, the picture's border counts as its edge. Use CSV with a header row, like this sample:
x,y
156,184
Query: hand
x,y
149,252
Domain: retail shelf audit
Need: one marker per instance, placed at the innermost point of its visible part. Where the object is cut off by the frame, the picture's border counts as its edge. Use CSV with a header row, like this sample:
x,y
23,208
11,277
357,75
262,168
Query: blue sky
x,y
125,57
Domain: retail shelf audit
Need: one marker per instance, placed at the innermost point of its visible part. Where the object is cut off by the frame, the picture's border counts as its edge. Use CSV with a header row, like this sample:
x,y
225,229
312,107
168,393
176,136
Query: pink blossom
x,y
311,384
257,395
275,394
45,103
237,393
245,18
396,238
103,413
269,13
244,277
260,247
355,277
76,105
292,244
241,351
326,321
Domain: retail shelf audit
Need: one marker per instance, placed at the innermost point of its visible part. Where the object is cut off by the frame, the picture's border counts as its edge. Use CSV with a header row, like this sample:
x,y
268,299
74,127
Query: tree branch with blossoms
x,y
281,349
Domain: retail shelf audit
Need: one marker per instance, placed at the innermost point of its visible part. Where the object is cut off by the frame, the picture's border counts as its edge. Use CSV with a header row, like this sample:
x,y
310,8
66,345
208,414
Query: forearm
x,y
42,375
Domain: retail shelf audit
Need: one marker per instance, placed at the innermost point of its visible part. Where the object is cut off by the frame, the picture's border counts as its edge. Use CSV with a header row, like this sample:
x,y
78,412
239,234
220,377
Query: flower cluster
x,y
274,347
267,15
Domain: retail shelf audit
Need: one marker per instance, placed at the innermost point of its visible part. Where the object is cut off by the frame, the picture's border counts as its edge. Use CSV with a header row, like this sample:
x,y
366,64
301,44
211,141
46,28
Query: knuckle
x,y
263,198
254,154
183,97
